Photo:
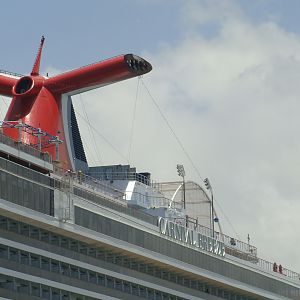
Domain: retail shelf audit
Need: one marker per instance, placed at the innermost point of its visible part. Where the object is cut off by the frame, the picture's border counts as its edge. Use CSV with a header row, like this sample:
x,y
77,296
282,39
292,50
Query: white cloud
x,y
233,99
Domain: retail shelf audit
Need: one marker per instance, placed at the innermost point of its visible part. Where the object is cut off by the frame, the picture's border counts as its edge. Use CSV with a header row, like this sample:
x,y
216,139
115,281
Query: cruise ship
x,y
70,231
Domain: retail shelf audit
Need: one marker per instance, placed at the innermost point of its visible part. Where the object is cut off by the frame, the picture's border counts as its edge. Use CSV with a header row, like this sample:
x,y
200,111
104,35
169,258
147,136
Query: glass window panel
x,y
45,236
22,286
119,285
55,294
45,263
34,233
65,269
13,254
34,260
74,272
127,287
24,229
83,275
45,292
64,242
54,239
3,223
35,289
110,282
4,251
13,226
6,282
92,277
101,279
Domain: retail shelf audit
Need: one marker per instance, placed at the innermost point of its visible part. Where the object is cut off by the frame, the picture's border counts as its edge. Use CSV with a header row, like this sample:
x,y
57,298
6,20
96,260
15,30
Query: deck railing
x,y
24,148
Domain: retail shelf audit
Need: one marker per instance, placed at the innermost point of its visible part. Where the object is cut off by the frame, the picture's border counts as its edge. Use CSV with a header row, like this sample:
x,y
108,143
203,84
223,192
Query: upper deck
x,y
79,207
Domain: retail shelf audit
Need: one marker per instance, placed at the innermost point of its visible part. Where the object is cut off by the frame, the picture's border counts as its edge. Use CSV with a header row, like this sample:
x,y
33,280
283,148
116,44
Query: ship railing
x,y
11,73
89,182
109,176
45,156
151,201
236,247
269,266
83,188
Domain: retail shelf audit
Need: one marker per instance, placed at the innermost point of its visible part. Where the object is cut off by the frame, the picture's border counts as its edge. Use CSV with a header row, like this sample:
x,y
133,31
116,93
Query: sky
x,y
225,77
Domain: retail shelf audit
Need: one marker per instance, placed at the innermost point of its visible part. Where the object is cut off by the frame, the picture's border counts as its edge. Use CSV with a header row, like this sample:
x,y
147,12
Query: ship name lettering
x,y
191,237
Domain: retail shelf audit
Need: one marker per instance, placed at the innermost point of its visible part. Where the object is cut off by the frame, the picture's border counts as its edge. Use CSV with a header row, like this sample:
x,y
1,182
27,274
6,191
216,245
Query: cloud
x,y
232,97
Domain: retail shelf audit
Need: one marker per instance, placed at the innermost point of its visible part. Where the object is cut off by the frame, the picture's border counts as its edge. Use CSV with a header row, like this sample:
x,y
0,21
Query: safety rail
x,y
25,148
230,242
243,251
11,73
126,176
89,182
153,202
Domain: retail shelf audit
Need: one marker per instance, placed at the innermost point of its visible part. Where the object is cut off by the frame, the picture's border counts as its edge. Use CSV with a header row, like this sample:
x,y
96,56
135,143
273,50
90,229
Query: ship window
x,y
134,265
35,289
165,296
45,292
150,270
110,282
165,275
65,269
92,252
74,272
143,268
173,277
3,251
64,242
119,285
34,260
82,248
73,245
54,266
24,257
45,263
45,236
213,291
180,280
127,288
54,239
13,226
118,260
150,294
34,233
221,293
101,254
92,277
143,291
65,295
135,289
194,284
6,282
83,274
231,296
110,257
24,229
3,223
186,282
126,262
158,295
55,294
22,286
13,254
101,279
